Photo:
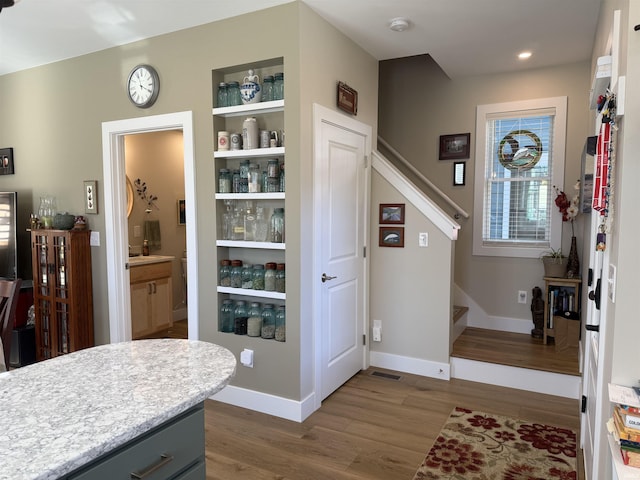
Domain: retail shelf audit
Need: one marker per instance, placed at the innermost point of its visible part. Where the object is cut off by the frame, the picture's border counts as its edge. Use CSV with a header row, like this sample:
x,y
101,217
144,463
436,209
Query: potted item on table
x,y
555,263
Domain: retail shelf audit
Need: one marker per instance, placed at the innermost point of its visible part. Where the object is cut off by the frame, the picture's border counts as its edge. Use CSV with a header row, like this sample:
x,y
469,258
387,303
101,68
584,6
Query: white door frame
x,y
323,114
115,207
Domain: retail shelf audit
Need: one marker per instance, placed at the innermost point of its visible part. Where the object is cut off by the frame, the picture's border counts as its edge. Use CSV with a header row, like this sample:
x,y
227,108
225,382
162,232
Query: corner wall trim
x,y
261,402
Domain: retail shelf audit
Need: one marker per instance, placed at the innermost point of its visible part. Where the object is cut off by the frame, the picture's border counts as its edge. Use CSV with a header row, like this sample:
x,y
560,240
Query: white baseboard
x,y
417,366
568,386
267,403
179,314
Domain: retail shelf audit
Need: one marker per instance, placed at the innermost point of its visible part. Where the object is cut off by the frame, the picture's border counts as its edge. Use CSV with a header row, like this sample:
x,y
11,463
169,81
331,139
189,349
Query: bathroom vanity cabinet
x,y
151,295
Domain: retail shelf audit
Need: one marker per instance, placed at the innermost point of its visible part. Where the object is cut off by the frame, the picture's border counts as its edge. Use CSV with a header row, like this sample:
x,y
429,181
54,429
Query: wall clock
x,y
143,86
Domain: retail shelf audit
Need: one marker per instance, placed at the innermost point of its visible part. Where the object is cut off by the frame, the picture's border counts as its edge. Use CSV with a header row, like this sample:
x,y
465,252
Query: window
x,y
519,157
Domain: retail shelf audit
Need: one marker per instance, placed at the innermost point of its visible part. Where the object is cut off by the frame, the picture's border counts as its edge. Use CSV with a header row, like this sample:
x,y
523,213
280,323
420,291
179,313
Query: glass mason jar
x,y
225,322
278,86
223,95
236,274
225,273
277,226
281,324
273,168
247,276
282,183
240,310
244,176
235,181
255,178
280,278
224,181
268,321
254,322
262,226
267,88
258,277
270,277
234,98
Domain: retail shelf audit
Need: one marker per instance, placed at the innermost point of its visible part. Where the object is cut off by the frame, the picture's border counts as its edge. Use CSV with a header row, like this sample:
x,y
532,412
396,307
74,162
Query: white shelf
x,y
256,152
243,244
258,108
253,293
250,196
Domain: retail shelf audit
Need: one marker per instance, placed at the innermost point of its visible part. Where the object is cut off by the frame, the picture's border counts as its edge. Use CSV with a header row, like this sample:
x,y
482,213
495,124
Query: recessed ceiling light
x,y
398,24
524,55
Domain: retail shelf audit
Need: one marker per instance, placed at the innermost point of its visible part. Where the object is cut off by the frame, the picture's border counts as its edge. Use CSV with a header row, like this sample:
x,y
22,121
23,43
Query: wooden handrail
x,y
460,212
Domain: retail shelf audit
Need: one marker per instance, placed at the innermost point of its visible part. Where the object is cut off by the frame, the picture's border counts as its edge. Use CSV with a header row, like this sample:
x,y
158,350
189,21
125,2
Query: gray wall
x,y
418,103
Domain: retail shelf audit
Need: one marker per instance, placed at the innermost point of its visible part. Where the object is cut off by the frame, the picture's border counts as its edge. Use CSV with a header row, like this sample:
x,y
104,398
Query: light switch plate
x,y
423,239
94,240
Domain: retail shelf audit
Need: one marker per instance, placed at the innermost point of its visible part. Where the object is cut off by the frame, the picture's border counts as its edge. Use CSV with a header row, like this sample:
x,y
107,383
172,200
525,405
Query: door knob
x,y
326,277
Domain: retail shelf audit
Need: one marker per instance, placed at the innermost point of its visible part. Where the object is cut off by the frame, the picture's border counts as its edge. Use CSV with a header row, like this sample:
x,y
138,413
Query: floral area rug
x,y
479,446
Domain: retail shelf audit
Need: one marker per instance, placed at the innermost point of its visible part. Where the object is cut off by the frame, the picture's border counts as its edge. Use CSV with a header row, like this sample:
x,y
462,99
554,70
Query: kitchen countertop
x,y
145,260
60,414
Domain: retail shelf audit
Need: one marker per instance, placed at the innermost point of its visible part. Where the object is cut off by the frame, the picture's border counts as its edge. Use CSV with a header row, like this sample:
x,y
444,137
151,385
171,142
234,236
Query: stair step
x,y
458,312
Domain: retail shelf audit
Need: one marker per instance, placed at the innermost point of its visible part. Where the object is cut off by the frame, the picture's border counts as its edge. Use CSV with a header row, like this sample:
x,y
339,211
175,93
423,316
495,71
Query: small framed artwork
x,y
459,173
454,147
91,196
182,214
6,161
391,237
392,213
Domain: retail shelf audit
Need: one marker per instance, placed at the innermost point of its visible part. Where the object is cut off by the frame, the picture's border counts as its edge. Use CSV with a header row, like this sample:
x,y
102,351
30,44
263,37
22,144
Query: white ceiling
x,y
465,37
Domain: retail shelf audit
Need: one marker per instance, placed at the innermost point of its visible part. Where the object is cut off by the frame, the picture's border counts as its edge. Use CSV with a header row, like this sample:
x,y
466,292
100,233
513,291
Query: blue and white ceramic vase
x,y
250,90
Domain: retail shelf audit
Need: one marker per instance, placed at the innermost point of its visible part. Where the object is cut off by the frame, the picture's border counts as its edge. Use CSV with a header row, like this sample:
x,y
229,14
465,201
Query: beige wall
x,y
418,103
156,158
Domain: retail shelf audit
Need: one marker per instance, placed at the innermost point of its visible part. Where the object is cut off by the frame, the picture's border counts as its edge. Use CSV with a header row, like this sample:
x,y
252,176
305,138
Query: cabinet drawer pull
x,y
164,460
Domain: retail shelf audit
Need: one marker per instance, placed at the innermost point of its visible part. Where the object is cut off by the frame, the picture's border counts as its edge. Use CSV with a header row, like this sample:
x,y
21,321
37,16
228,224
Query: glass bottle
x,y
261,226
145,248
281,324
238,223
254,322
255,177
249,222
270,277
247,276
268,321
226,320
258,277
223,96
273,168
227,220
225,273
282,183
234,98
278,86
277,226
224,181
236,274
280,278
267,88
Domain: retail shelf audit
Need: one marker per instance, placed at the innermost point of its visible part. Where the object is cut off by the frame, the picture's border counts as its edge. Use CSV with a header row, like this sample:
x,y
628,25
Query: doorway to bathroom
x,y
154,166
116,203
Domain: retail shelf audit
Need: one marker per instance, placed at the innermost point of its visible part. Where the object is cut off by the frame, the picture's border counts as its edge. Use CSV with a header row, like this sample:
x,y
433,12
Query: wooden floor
x,y
514,349
371,428
178,330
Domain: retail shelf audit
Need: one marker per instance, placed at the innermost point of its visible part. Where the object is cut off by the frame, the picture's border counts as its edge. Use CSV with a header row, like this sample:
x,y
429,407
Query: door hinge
x,y
364,338
366,161
583,406
364,252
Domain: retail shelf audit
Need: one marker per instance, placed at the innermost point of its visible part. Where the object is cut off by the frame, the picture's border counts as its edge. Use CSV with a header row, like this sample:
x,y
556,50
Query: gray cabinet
x,y
171,451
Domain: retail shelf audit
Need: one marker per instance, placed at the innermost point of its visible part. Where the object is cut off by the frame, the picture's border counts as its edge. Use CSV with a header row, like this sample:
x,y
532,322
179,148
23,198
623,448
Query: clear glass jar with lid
x,y
234,98
254,322
240,310
225,273
225,181
223,96
268,321
267,88
270,277
280,278
226,320
281,324
277,226
236,274
247,276
278,86
258,277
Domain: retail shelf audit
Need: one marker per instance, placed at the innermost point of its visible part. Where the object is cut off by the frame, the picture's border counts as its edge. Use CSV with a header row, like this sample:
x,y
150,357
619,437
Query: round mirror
x,y
129,197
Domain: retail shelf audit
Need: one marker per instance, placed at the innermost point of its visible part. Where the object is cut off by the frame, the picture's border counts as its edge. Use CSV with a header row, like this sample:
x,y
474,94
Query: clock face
x,y
143,86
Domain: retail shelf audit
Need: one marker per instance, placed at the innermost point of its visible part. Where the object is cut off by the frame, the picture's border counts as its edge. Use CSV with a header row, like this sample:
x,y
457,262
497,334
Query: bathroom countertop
x,y
146,260
61,414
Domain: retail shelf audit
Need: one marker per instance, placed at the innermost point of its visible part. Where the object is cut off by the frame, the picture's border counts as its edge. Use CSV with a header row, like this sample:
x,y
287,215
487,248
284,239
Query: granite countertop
x,y
62,413
146,260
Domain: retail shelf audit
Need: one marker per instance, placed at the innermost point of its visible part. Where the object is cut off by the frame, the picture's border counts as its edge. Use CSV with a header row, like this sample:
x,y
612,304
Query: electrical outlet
x,y
423,239
522,296
377,330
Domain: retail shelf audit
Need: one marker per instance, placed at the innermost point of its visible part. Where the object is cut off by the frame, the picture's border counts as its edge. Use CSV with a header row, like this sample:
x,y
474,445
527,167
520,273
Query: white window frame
x,y
559,104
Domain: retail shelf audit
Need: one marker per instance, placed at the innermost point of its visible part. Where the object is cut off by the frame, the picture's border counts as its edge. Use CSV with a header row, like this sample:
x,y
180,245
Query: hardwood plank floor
x,y
371,428
514,349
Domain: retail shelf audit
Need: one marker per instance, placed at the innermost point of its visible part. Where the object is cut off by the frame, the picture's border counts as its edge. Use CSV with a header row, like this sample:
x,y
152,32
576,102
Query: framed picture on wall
x,y
391,237
454,147
182,214
6,161
391,213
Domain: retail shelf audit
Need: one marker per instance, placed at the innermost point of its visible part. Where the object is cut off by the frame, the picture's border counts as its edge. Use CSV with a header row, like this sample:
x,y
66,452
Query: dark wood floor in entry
x,y
373,427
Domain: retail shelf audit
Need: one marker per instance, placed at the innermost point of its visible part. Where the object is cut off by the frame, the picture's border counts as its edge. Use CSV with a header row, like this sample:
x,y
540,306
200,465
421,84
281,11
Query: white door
x,y
340,165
